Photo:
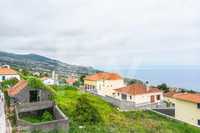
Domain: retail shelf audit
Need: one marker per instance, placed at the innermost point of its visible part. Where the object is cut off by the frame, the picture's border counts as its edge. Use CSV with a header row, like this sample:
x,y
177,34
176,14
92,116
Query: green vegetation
x,y
8,83
109,119
36,83
163,87
46,116
85,113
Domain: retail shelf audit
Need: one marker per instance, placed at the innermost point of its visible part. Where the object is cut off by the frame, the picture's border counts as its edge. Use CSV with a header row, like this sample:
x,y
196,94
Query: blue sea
x,y
174,77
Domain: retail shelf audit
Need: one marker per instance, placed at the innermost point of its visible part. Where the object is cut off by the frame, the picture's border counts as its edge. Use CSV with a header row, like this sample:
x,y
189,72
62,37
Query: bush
x,y
85,113
36,83
46,116
8,83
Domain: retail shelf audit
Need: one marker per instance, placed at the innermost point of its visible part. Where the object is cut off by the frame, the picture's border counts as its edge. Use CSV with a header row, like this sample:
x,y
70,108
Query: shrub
x,y
46,116
85,113
8,83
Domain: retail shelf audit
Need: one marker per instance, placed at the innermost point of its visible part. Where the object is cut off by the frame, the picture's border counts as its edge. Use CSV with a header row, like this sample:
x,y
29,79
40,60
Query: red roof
x,y
7,71
22,84
170,93
137,89
103,76
190,97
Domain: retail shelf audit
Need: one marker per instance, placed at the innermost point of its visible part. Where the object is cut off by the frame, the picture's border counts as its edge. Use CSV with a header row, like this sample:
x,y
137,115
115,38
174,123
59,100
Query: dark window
x,y
3,78
198,122
158,97
124,96
130,97
198,105
34,96
118,94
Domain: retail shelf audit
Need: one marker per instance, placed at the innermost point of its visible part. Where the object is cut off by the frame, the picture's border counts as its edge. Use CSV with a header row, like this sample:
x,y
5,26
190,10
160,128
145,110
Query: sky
x,y
104,33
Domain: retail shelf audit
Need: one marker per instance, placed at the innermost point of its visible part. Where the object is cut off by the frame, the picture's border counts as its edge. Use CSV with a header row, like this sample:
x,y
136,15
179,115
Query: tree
x,y
163,87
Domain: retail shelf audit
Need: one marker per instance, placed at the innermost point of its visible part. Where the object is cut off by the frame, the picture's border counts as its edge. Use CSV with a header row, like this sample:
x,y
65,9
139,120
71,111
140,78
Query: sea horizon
x,y
183,77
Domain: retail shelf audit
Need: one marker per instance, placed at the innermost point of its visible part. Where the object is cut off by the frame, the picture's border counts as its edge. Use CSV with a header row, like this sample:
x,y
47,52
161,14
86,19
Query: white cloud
x,y
106,33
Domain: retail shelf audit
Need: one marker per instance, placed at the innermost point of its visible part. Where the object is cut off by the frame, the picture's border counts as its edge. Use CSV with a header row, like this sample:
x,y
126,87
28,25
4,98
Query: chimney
x,y
6,66
147,86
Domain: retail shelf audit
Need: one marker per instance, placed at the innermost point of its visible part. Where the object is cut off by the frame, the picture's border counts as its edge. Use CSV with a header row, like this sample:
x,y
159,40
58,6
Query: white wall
x,y
140,99
105,87
7,77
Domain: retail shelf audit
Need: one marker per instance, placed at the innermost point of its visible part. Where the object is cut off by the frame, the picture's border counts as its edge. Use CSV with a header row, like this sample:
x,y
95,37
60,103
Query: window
x,y
130,97
198,122
158,97
118,94
198,105
124,96
3,78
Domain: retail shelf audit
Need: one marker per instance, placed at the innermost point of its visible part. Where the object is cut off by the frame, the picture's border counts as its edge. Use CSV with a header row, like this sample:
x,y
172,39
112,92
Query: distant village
x,y
30,96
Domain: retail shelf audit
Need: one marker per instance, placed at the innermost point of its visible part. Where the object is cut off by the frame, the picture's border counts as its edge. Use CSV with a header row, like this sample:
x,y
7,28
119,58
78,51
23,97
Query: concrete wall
x,y
61,122
24,97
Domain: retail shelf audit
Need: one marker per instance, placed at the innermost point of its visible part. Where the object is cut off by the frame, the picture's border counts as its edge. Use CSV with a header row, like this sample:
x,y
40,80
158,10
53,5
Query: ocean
x,y
181,78
178,77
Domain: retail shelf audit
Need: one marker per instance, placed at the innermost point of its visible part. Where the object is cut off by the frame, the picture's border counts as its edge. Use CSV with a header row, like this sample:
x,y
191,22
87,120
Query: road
x,y
2,116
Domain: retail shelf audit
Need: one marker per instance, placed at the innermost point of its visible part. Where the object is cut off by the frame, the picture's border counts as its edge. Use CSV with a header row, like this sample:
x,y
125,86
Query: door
x,y
152,99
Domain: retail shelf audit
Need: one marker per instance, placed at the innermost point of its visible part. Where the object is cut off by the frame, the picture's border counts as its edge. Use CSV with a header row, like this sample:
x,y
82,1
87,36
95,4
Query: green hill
x,y
113,121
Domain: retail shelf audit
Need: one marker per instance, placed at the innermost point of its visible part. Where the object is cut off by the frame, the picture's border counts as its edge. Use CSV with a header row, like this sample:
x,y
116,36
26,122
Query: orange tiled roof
x,y
190,97
7,71
22,84
70,80
103,76
170,93
137,89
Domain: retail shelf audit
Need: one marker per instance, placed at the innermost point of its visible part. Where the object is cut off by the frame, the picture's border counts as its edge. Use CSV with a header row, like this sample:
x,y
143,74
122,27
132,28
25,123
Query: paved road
x,y
2,116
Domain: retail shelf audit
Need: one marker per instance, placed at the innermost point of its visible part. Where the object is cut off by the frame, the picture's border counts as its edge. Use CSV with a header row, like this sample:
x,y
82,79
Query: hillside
x,y
113,121
33,62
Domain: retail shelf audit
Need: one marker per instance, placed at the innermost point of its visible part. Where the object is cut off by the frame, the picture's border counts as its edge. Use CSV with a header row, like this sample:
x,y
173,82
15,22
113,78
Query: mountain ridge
x,y
38,63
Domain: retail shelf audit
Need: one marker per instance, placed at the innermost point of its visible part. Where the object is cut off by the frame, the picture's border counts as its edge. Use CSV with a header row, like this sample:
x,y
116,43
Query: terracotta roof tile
x,y
22,84
7,71
190,97
103,76
137,89
170,93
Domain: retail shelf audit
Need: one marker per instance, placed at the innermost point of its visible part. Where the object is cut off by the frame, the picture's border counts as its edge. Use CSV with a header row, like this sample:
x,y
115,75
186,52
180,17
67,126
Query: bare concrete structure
x,y
27,100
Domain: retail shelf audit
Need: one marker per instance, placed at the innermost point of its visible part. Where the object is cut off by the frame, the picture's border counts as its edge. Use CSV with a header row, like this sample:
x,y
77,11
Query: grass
x,y
45,117
114,121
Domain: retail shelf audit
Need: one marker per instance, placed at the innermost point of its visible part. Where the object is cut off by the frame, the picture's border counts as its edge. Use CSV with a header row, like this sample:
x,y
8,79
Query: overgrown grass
x,y
114,121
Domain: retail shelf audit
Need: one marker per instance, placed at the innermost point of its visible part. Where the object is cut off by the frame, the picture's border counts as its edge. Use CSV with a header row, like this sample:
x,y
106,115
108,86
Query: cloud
x,y
106,33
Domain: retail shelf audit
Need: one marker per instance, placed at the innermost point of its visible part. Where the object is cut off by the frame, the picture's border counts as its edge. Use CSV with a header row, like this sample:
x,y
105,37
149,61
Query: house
x,y
187,106
103,83
34,102
7,73
22,93
49,81
71,80
139,94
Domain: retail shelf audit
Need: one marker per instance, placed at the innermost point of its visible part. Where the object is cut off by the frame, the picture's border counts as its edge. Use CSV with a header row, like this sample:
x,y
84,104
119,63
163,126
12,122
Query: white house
x,y
103,83
7,73
50,81
139,94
